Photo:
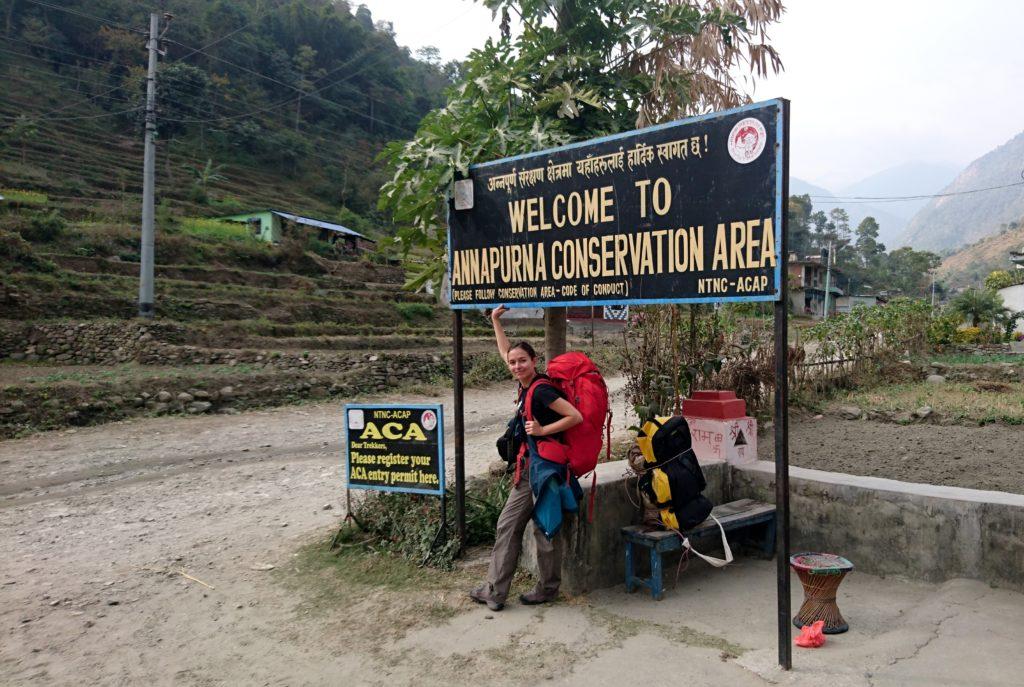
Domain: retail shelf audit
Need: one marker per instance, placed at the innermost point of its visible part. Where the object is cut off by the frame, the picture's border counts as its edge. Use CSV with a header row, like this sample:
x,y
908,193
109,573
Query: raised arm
x,y
499,331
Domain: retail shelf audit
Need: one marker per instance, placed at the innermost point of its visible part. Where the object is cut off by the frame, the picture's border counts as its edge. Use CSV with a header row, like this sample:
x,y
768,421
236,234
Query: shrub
x,y
412,312
942,330
44,228
16,250
487,369
968,335
407,524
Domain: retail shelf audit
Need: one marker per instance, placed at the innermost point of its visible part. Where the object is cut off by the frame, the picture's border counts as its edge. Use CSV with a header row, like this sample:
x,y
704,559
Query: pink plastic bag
x,y
811,636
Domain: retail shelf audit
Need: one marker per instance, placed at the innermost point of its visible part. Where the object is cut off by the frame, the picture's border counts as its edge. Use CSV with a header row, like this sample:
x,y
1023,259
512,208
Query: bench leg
x,y
769,539
657,588
630,572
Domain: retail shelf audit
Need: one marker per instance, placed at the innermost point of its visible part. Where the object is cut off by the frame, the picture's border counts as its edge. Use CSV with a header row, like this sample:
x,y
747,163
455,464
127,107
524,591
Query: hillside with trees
x,y
970,265
283,104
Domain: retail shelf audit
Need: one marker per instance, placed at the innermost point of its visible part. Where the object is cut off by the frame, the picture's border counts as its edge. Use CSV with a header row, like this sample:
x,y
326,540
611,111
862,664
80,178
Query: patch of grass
x,y
217,230
959,402
374,591
127,372
622,627
413,312
21,197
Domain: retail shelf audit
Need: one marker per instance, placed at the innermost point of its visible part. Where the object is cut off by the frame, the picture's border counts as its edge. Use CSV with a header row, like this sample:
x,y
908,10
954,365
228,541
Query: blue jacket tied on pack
x,y
553,493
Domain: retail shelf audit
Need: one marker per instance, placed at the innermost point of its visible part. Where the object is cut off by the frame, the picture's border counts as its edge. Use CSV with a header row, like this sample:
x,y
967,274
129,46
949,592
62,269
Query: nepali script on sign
x,y
689,211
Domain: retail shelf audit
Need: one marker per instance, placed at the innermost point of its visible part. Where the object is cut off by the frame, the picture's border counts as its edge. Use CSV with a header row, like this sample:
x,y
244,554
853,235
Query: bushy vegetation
x,y
408,524
44,227
898,329
415,312
21,197
670,352
215,229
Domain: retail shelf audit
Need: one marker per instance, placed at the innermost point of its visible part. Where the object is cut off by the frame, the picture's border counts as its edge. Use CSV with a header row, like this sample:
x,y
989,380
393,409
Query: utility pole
x,y
828,276
933,289
149,173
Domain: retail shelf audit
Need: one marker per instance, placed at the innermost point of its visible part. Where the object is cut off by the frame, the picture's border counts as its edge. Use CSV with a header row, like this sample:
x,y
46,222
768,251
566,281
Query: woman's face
x,y
522,366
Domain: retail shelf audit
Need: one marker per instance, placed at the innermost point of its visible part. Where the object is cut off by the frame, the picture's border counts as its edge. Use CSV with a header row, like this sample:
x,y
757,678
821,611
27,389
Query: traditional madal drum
x,y
821,575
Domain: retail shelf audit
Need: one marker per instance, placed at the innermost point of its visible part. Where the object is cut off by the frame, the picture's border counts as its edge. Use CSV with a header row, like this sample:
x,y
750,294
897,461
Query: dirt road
x,y
100,526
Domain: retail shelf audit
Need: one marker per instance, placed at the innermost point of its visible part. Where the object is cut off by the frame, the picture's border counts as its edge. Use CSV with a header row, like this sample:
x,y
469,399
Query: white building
x,y
1013,296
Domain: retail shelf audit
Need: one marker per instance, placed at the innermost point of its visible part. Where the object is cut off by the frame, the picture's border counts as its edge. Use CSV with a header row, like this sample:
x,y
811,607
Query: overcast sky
x,y
874,83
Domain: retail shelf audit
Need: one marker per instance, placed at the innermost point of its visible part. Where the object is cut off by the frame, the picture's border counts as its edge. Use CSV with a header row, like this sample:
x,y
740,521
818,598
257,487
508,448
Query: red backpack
x,y
576,376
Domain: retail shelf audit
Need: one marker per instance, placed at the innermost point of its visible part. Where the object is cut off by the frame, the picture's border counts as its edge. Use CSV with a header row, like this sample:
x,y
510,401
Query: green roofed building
x,y
274,225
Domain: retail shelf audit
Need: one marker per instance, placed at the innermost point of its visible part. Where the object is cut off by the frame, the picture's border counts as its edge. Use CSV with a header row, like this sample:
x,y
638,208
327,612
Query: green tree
x,y
580,69
304,60
22,131
203,177
906,271
800,209
978,305
868,247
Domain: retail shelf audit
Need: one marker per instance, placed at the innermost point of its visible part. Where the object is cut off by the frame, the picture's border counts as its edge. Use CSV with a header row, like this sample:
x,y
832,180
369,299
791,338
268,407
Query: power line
x,y
79,13
45,116
304,94
66,52
897,199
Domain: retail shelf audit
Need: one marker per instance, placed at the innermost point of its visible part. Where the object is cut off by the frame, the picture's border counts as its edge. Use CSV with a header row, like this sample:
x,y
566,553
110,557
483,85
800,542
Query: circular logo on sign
x,y
428,420
747,140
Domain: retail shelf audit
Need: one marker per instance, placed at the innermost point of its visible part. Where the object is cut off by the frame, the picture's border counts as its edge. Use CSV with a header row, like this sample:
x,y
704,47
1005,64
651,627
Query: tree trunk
x,y
554,318
554,332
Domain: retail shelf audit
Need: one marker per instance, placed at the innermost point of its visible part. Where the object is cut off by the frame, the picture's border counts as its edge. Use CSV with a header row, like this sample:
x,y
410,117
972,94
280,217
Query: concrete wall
x,y
918,531
885,527
1013,298
594,556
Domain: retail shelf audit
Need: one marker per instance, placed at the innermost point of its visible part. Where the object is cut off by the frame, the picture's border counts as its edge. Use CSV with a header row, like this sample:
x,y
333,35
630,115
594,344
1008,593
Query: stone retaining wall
x,y
168,343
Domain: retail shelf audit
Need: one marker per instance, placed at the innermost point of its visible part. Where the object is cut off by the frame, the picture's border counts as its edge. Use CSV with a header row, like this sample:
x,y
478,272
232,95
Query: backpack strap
x,y
528,404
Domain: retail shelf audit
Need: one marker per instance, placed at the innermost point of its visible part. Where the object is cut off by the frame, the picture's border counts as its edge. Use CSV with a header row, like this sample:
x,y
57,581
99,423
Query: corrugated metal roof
x,y
330,226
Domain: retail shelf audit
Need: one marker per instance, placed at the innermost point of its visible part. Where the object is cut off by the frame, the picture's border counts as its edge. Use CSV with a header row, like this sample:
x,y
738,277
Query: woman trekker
x,y
552,414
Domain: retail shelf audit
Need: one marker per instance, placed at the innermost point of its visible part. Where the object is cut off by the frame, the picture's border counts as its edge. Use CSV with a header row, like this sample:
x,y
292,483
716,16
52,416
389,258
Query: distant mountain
x,y
908,179
889,224
953,221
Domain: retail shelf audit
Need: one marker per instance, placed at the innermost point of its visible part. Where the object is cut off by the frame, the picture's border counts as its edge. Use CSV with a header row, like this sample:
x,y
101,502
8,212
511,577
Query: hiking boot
x,y
481,597
537,597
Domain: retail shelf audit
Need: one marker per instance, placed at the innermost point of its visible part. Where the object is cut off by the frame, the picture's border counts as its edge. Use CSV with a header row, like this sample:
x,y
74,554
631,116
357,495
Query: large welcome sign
x,y
689,211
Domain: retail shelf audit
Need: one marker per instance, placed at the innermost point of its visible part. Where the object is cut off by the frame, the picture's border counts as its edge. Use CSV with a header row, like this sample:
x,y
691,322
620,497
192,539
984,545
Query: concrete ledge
x,y
594,556
920,531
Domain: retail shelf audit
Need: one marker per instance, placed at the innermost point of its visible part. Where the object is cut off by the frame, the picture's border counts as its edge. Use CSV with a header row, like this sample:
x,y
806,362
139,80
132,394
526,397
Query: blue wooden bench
x,y
736,515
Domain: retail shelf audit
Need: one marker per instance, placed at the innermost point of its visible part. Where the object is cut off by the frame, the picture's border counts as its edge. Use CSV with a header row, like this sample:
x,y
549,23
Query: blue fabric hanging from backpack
x,y
552,494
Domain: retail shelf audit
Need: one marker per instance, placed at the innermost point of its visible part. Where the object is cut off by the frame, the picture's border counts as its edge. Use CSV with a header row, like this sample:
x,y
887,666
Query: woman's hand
x,y
535,429
498,312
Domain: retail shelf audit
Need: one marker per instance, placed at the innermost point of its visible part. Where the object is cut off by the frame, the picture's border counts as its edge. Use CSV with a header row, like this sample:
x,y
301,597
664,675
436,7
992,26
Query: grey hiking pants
x,y
508,544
